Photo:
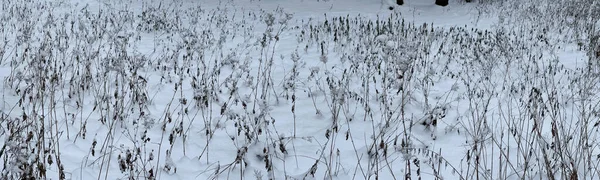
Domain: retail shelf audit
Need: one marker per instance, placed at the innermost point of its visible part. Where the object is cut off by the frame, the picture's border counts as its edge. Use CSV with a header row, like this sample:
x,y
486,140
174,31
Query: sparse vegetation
x,y
227,93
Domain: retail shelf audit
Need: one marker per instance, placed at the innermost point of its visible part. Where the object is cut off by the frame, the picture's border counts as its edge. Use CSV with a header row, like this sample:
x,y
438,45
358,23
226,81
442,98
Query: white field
x,y
298,89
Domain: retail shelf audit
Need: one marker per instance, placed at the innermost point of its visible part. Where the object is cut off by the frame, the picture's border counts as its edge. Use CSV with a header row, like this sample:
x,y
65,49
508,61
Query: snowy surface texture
x,y
299,89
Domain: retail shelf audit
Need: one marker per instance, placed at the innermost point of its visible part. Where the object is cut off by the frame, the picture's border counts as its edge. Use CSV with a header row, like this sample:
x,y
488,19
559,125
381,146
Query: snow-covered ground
x,y
298,89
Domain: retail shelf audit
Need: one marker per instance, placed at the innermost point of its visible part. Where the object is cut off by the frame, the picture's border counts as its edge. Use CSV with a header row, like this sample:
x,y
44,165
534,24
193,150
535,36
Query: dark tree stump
x,y
441,2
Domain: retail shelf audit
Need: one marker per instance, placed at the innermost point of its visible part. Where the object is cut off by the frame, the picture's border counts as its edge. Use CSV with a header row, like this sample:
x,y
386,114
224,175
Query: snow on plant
x,y
237,94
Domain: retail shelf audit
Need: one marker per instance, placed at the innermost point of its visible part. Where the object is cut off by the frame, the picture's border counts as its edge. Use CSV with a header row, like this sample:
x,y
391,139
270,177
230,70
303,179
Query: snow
x,y
205,100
